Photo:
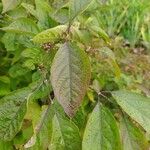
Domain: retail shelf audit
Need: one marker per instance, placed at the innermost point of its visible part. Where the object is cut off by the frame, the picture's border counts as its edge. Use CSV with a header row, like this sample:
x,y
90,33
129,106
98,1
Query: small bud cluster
x,y
47,46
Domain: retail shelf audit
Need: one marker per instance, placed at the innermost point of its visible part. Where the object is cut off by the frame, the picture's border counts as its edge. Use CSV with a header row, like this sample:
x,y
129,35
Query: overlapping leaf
x,y
10,4
101,132
43,132
12,111
22,26
132,137
136,106
65,134
70,75
77,7
50,35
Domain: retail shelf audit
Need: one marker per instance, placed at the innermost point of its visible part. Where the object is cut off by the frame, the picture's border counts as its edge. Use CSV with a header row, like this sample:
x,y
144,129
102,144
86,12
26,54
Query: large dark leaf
x,y
70,75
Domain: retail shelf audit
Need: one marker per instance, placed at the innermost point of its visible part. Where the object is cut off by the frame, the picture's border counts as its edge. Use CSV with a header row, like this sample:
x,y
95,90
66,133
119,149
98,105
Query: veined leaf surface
x,y
50,35
10,4
101,132
136,106
77,7
12,111
132,136
70,76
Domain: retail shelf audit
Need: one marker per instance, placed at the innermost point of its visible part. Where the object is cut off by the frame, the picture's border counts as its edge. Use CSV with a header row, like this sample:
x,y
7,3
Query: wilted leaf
x,y
101,132
70,75
77,7
50,35
136,106
132,137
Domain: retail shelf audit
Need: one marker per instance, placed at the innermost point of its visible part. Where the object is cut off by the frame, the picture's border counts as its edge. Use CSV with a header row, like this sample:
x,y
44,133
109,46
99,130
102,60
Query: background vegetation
x,y
113,35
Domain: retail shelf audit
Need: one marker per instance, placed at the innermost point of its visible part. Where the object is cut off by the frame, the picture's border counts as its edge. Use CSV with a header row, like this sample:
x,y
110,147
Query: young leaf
x,y
10,4
22,26
101,132
70,75
136,106
50,35
12,111
65,134
132,136
77,7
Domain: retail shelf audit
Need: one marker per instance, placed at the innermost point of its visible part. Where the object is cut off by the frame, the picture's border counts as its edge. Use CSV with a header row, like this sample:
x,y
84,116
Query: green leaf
x,y
9,40
136,106
65,134
99,32
29,8
22,26
132,137
50,35
12,111
77,7
43,131
6,145
108,53
43,10
61,16
33,108
101,132
10,4
17,70
70,76
4,85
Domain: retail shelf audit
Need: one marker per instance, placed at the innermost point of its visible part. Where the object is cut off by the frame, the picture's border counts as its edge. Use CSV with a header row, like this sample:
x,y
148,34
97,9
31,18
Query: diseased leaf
x,y
12,111
77,7
70,75
50,35
65,134
136,106
22,26
101,132
132,136
10,4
